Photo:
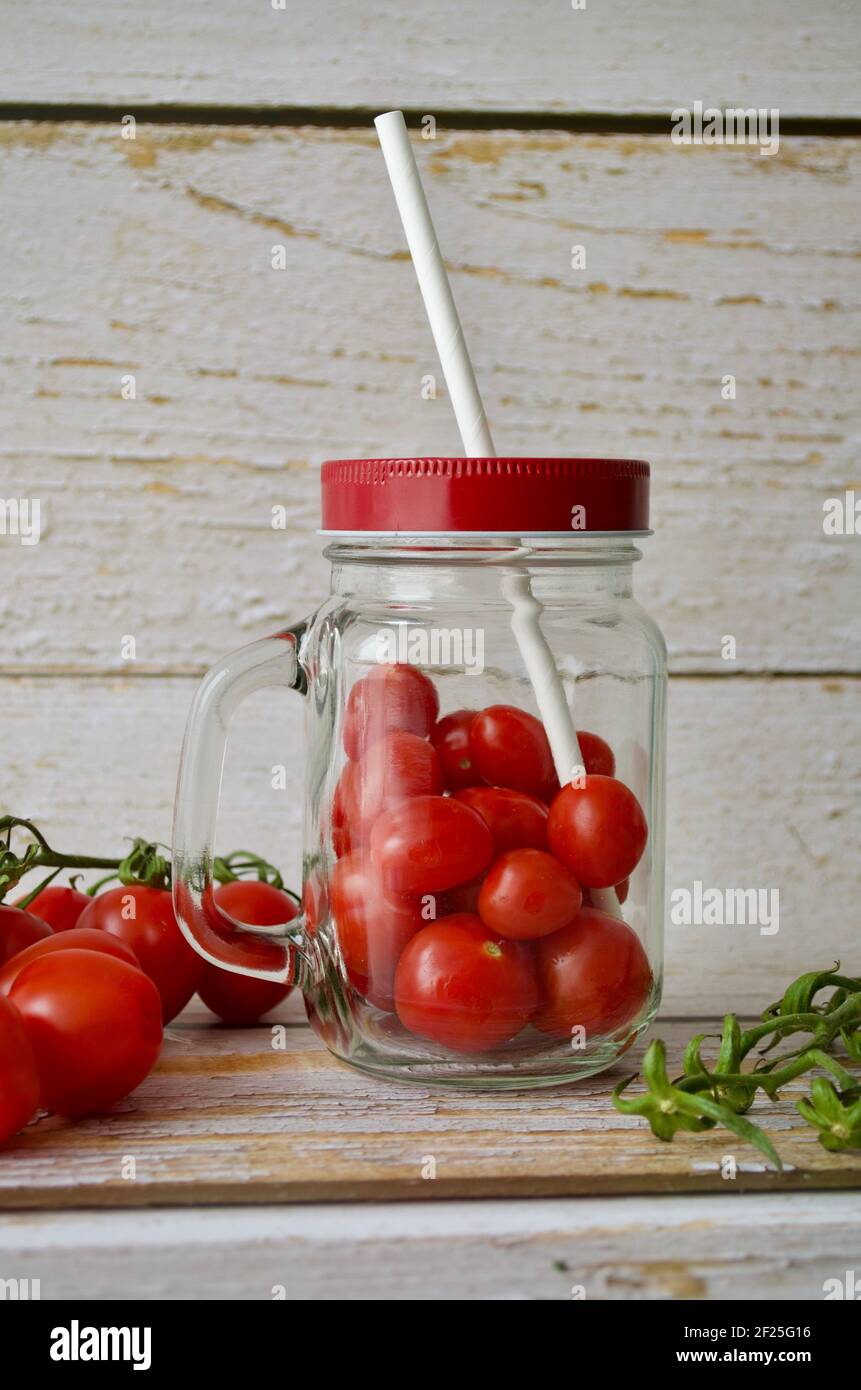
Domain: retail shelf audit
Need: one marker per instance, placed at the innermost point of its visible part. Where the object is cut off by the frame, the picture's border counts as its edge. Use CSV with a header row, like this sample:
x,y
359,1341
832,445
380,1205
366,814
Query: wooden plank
x,y
620,55
710,1248
225,1118
152,258
764,792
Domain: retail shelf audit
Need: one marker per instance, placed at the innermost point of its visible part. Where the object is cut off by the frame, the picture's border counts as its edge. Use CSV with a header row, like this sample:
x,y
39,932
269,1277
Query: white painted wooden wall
x,y
152,257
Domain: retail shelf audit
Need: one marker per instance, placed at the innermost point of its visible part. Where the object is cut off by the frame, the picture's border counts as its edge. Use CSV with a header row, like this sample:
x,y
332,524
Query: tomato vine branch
x,y
702,1097
145,865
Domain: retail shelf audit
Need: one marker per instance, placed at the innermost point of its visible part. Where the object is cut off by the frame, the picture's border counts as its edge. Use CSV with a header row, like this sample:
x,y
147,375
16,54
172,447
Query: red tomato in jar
x,y
315,899
343,810
58,906
509,748
19,1092
76,939
450,738
550,792
528,894
597,830
395,767
460,985
389,698
239,999
428,844
18,930
598,758
144,919
515,819
462,898
592,974
372,929
621,890
94,1023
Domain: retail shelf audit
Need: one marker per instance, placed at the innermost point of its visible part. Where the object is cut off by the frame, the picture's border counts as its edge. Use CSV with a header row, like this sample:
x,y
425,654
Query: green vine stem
x,y
243,863
100,883
40,854
25,902
702,1097
145,865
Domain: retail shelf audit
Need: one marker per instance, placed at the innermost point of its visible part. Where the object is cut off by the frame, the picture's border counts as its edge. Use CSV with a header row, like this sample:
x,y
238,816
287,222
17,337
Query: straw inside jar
x,y
477,443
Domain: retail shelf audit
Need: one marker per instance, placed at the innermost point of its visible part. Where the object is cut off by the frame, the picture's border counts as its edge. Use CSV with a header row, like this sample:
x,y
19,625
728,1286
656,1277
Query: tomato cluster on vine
x,y
88,981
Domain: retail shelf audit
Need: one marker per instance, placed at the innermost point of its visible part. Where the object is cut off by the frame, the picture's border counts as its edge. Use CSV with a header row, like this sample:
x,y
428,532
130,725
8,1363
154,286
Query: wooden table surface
x,y
285,1170
227,1118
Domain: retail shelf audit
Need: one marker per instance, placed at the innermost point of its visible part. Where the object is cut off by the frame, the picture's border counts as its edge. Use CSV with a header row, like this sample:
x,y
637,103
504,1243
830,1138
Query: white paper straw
x,y
551,699
477,442
434,285
548,688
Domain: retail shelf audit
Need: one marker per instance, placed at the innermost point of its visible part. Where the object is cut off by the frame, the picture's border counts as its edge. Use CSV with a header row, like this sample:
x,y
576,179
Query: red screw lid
x,y
490,496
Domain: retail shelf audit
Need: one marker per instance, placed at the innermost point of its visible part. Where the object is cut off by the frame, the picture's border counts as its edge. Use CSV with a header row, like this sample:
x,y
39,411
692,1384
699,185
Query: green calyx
x,y
144,866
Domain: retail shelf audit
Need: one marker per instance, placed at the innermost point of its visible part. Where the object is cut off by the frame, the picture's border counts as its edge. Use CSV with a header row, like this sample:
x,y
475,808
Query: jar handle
x,y
213,933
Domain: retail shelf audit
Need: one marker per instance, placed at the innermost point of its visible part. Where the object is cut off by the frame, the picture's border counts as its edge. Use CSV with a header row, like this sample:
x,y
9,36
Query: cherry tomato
x,y
18,930
395,767
460,985
597,755
372,928
597,830
428,844
255,903
315,899
19,1089
597,758
343,810
516,820
450,738
550,792
143,918
388,698
462,898
240,998
528,893
621,891
509,748
95,1026
58,906
75,939
592,974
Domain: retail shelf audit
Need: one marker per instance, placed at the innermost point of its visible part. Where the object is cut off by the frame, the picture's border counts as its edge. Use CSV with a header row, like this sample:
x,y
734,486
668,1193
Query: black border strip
x,y
350,117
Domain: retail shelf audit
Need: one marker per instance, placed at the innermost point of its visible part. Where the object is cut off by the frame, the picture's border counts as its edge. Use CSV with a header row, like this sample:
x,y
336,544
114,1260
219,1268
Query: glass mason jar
x,y
482,885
